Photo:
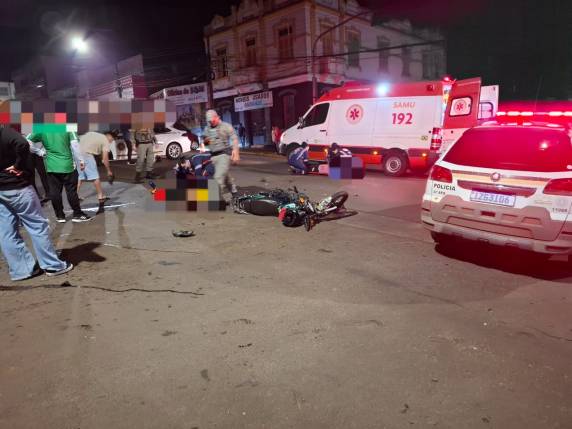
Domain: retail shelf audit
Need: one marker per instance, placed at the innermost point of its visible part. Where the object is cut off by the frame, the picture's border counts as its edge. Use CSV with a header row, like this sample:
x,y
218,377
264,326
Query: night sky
x,y
525,45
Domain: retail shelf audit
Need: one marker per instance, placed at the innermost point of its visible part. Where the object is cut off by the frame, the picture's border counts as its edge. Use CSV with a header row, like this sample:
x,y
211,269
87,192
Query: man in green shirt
x,y
60,168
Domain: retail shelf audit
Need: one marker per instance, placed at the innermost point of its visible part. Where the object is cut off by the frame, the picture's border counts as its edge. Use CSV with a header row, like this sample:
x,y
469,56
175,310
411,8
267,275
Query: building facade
x,y
265,54
7,91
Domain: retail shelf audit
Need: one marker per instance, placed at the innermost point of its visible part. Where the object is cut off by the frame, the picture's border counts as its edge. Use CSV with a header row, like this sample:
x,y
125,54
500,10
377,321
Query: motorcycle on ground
x,y
292,207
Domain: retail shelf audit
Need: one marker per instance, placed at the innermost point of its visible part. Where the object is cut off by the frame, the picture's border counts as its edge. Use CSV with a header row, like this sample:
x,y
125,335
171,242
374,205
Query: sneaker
x,y
81,218
60,219
131,162
53,273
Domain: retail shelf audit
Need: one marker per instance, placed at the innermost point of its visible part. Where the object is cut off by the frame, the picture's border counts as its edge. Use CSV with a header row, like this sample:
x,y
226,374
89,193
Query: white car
x,y
172,142
507,185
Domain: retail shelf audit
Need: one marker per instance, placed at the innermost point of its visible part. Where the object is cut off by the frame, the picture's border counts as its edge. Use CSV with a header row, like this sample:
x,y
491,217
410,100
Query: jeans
x,y
23,204
222,176
57,181
145,157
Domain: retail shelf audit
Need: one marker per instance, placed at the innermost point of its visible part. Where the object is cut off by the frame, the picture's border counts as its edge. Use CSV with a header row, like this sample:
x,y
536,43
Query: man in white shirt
x,y
90,144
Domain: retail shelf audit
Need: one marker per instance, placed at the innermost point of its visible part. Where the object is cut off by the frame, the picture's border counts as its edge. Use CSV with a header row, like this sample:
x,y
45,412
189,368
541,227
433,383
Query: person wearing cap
x,y
222,141
91,144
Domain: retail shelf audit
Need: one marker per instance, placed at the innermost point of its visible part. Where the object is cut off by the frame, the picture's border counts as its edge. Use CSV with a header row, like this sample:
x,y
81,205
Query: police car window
x,y
461,106
317,115
525,149
486,110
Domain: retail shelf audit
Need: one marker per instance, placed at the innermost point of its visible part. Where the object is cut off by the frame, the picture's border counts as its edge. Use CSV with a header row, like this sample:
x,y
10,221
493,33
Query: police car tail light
x,y
559,187
436,138
441,174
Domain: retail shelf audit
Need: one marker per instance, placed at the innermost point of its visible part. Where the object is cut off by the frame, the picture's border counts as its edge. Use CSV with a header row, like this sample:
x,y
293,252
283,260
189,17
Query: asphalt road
x,y
360,323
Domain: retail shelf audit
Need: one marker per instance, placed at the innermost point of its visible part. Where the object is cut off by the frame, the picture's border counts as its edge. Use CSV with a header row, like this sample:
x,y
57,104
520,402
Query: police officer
x,y
222,141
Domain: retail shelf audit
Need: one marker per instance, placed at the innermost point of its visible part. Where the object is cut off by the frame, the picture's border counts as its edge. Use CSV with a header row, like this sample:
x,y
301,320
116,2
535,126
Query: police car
x,y
504,184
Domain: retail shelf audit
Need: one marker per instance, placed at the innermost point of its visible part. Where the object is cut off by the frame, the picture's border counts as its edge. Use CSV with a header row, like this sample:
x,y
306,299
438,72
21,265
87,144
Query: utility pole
x,y
315,44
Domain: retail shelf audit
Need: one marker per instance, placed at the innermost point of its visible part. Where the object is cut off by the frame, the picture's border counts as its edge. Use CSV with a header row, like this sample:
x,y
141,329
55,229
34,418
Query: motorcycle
x,y
292,207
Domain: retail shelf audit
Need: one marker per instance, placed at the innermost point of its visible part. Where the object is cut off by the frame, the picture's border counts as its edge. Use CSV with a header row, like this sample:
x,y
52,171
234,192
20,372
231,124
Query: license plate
x,y
491,198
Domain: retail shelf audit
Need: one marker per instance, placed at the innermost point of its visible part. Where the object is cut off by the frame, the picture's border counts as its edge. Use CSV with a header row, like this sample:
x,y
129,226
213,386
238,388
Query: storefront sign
x,y
253,101
184,94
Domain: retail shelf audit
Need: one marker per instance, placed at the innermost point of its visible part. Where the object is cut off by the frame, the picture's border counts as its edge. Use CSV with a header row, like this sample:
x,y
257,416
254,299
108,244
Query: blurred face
x,y
214,121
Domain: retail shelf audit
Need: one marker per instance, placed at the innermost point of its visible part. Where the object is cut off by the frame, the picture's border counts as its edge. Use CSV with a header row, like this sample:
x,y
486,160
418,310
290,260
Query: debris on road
x,y
183,233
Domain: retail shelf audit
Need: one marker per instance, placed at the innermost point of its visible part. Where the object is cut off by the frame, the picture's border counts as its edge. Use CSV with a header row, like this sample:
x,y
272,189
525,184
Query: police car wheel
x,y
174,151
395,164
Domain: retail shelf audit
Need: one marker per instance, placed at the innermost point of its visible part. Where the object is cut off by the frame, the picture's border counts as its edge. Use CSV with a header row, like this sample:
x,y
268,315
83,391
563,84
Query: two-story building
x,y
263,57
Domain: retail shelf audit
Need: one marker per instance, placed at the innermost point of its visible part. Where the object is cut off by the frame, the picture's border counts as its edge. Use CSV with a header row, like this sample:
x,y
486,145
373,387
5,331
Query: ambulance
x,y
401,125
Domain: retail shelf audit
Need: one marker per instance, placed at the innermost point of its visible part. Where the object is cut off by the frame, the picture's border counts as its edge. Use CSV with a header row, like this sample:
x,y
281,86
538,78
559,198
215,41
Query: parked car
x,y
508,185
173,141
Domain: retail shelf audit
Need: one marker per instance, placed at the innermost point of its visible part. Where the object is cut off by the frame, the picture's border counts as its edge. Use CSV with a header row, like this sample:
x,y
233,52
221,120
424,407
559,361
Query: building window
x,y
221,63
406,60
250,52
382,45
285,43
354,46
327,40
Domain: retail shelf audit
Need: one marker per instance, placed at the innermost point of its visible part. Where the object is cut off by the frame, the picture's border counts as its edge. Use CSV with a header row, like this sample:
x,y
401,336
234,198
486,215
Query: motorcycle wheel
x,y
338,200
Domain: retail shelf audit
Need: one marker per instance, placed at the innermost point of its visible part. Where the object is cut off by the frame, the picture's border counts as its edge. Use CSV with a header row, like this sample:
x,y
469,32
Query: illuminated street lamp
x,y
79,45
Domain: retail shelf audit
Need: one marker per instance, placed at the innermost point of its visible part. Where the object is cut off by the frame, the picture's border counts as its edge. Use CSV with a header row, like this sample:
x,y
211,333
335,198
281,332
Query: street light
x,y
78,44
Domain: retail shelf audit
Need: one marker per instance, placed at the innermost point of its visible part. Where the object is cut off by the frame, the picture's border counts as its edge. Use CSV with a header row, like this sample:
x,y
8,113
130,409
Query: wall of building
x,y
290,80
7,91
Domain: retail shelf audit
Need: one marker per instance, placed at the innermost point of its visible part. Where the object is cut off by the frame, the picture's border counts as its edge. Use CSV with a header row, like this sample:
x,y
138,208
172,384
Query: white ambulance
x,y
402,125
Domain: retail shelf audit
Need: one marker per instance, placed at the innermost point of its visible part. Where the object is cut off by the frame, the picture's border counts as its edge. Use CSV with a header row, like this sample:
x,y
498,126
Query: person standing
x,y
19,203
144,139
128,144
222,141
91,144
61,172
242,134
37,161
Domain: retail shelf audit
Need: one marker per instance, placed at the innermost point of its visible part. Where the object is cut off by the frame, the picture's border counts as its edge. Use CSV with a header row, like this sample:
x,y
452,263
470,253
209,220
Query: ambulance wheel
x,y
291,147
395,164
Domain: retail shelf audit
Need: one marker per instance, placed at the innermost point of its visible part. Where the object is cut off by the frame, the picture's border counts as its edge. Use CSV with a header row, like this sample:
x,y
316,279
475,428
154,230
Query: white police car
x,y
508,185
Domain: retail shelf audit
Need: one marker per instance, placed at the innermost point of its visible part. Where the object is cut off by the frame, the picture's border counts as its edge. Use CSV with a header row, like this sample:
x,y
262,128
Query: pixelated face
x,y
215,120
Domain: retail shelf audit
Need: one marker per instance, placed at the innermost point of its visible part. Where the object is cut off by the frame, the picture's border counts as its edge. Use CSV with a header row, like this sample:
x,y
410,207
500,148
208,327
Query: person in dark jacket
x,y
19,203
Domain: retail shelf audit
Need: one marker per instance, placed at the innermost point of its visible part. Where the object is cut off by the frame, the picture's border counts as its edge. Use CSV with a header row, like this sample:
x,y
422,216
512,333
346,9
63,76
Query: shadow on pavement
x,y
82,253
512,261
